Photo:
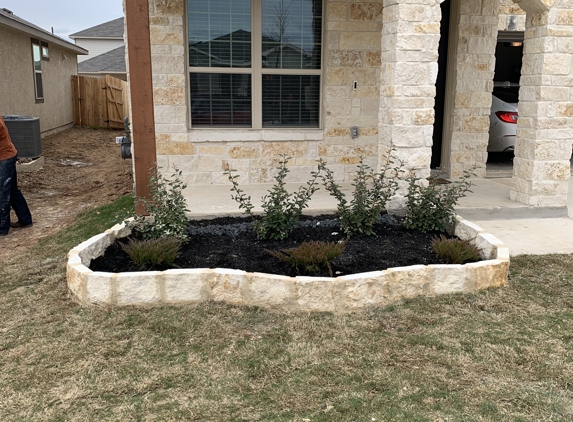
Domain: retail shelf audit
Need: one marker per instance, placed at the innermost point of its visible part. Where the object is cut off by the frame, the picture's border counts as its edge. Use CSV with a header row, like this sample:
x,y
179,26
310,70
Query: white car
x,y
503,119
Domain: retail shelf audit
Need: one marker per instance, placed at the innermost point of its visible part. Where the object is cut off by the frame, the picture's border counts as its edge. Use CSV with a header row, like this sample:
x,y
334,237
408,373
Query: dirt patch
x,y
83,169
392,246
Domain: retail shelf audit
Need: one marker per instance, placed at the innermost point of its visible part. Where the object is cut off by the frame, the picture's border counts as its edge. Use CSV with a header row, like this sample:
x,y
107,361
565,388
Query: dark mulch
x,y
393,246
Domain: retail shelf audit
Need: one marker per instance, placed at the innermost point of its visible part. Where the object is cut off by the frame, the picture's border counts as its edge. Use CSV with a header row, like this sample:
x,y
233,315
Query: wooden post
x,y
140,76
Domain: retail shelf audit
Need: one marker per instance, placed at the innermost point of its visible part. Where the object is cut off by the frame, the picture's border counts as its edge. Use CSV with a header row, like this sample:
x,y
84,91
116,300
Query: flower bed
x,y
336,294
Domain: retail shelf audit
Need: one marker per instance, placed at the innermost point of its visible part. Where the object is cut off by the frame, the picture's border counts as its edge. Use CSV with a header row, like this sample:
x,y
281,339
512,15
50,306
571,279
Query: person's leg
x,y
18,203
7,168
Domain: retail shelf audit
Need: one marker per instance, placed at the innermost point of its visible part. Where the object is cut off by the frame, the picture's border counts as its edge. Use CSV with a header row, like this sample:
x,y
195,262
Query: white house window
x,y
255,63
37,63
45,51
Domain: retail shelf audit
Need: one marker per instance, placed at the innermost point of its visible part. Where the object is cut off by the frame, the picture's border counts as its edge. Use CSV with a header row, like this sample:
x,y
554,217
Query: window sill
x,y
252,135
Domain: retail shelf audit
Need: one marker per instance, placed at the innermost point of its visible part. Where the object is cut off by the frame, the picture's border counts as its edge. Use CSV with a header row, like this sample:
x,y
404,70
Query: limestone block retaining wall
x,y
340,294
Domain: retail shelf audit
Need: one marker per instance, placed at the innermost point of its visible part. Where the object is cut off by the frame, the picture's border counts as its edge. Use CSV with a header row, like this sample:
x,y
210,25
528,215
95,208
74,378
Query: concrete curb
x,y
339,294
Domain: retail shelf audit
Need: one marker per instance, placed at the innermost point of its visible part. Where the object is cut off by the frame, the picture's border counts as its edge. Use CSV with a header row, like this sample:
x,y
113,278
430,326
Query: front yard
x,y
502,354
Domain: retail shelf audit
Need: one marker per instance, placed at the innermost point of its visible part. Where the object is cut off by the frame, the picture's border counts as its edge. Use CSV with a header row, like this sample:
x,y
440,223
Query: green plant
x,y
371,193
167,207
152,253
310,257
281,209
431,207
455,251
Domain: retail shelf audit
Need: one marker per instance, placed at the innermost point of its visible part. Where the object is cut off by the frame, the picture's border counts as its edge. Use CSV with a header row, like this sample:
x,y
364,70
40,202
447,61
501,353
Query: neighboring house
x,y
106,50
239,83
111,63
36,67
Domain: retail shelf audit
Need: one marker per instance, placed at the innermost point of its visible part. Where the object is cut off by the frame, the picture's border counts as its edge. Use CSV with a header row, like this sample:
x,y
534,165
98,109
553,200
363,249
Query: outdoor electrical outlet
x,y
354,132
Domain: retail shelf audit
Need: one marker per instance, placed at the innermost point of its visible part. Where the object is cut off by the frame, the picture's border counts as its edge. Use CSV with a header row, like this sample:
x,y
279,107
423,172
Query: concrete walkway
x,y
523,229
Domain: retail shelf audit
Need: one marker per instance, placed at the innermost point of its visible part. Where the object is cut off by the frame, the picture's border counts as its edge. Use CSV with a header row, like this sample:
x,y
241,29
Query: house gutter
x,y
40,34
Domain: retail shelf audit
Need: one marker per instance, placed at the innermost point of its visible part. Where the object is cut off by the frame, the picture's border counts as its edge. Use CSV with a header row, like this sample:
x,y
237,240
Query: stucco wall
x,y
17,81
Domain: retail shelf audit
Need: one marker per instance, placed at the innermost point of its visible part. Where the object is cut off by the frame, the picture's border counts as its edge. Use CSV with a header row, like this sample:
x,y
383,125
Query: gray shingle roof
x,y
11,20
111,29
111,62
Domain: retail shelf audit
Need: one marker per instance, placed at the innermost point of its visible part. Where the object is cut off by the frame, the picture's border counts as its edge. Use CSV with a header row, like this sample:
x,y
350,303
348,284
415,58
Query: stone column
x,y
410,39
169,78
545,126
476,43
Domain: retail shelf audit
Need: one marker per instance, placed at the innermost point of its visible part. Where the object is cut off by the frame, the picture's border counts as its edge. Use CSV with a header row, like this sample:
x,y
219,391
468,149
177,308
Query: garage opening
x,y
441,80
505,97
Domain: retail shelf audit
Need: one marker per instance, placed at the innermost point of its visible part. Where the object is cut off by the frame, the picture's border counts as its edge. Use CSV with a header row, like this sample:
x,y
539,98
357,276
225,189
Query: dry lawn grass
x,y
499,355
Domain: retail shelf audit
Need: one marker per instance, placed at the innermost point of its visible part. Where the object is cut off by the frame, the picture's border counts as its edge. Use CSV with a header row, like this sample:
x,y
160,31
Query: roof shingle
x,y
111,29
111,62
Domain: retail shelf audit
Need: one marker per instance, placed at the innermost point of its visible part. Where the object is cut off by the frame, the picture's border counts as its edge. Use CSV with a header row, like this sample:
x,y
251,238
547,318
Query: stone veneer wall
x,y
393,101
341,294
476,44
410,40
352,41
542,167
352,53
511,17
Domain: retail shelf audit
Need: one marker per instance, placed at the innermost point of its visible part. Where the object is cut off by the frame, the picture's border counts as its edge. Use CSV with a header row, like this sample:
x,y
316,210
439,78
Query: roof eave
x,y
18,26
73,37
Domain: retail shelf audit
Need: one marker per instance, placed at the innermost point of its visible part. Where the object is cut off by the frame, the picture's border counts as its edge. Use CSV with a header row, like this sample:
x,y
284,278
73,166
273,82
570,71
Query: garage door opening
x,y
505,97
441,80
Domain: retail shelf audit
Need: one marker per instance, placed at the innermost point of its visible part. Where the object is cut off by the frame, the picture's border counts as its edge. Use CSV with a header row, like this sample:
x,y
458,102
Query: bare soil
x,y
83,169
392,246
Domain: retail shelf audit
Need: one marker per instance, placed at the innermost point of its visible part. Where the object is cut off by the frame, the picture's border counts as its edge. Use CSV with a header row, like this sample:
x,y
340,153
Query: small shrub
x,y
310,257
152,253
167,206
455,251
371,193
281,209
431,207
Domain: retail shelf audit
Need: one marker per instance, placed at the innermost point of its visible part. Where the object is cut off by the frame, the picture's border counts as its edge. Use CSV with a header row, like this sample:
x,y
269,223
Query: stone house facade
x,y
370,64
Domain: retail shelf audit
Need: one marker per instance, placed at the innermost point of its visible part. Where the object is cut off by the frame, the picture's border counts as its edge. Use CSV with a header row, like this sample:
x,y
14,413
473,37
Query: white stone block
x,y
76,277
486,274
502,252
315,293
408,282
187,285
269,290
138,288
93,248
98,288
488,244
466,230
227,285
120,230
366,289
449,279
74,258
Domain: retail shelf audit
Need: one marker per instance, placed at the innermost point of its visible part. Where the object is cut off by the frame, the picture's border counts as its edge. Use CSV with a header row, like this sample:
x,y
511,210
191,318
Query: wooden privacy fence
x,y
100,102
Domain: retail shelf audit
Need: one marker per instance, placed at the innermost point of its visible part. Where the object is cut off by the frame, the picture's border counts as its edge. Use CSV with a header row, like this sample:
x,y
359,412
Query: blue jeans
x,y
10,196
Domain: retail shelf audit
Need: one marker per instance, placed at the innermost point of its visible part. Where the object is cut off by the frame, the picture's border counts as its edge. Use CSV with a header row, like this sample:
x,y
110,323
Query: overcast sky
x,y
66,16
